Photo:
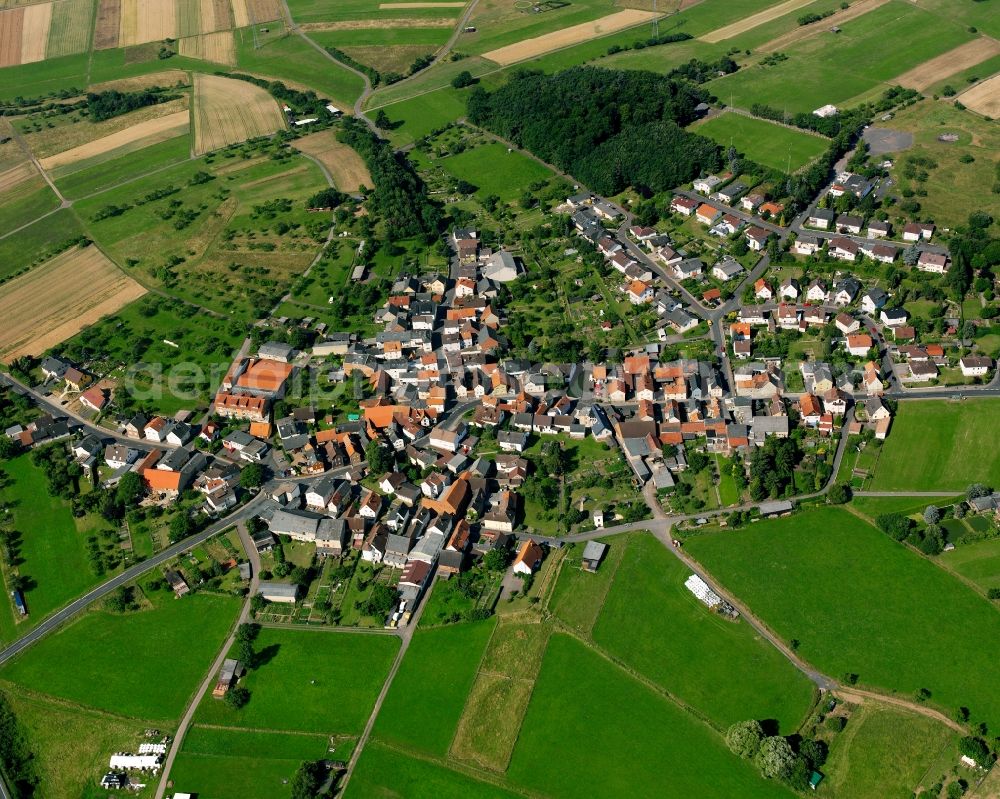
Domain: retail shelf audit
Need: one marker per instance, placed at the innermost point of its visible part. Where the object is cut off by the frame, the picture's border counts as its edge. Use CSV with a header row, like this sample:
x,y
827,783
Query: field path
x,y
254,557
859,696
64,203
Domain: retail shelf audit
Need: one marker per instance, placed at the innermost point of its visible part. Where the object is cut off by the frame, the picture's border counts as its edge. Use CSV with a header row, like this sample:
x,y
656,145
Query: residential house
x,y
934,262
529,558
918,231
975,365
858,344
757,238
806,245
820,218
843,249
707,214
873,301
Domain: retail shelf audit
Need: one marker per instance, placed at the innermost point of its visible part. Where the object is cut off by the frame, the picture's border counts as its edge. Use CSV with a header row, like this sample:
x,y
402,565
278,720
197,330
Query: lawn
x,y
860,603
978,562
833,68
579,595
309,681
766,143
592,730
53,546
447,658
494,170
70,744
144,664
242,764
419,116
883,753
655,625
929,446
388,772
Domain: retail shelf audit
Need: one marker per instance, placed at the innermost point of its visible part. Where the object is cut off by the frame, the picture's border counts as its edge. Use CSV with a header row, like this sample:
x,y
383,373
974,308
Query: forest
x,y
400,196
106,105
609,129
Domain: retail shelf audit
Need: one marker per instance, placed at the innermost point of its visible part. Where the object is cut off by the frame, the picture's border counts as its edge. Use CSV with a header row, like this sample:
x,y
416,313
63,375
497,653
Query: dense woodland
x,y
400,196
608,129
106,105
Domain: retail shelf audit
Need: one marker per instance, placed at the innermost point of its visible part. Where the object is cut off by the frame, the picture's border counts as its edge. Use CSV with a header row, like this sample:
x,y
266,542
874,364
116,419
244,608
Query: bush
x,y
835,723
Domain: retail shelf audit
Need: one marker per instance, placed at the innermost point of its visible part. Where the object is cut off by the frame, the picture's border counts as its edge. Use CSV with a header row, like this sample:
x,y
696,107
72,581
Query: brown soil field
x,y
35,32
394,6
16,176
216,15
227,111
50,141
148,132
364,24
344,164
218,47
983,98
147,21
574,34
11,24
169,77
947,64
855,10
108,27
751,22
390,58
60,298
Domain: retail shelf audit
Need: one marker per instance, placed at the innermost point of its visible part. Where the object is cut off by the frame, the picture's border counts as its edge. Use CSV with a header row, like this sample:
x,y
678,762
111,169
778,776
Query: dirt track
x,y
947,64
529,48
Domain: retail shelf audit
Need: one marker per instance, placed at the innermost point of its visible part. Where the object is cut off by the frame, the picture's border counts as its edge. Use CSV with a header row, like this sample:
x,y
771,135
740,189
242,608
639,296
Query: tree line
x,y
113,103
609,129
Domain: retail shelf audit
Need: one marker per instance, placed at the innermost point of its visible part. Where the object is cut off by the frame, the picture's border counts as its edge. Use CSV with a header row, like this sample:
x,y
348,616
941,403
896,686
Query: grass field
x,y
31,80
876,736
321,12
768,144
229,111
52,546
387,772
929,447
655,625
35,242
601,733
978,562
952,187
156,683
579,596
447,657
493,170
419,116
312,681
70,744
80,286
25,203
240,764
860,603
835,68
90,177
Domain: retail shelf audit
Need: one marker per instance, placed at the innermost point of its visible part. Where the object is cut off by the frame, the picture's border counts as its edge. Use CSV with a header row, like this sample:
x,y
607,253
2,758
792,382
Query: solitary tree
x,y
775,758
252,476
237,697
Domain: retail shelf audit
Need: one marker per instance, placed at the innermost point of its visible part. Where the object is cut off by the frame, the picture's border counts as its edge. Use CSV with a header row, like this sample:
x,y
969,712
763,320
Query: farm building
x,y
278,592
593,554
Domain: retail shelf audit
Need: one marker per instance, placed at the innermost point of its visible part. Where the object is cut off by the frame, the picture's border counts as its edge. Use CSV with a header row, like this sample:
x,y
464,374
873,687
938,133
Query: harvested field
x,y
344,164
250,12
393,6
855,10
188,18
365,24
35,32
228,111
147,21
169,77
108,28
11,24
947,64
241,16
983,98
216,15
16,176
574,34
389,58
149,132
79,287
69,32
218,47
751,22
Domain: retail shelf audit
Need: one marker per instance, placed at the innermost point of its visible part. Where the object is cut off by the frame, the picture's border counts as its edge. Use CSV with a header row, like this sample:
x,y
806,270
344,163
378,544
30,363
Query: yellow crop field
x,y
984,98
35,32
218,47
58,299
345,166
227,111
147,21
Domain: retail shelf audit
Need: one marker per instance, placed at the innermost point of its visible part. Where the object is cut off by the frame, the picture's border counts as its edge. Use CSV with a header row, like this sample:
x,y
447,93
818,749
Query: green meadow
x,y
655,625
860,603
447,658
978,562
930,445
309,681
145,663
766,143
494,170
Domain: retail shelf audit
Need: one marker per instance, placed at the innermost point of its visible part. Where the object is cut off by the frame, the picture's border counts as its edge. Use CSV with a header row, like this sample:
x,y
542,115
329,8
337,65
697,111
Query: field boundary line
x,y
479,670
339,736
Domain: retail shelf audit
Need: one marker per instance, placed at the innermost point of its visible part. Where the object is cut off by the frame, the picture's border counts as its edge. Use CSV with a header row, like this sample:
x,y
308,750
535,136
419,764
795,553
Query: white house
x,y
975,365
